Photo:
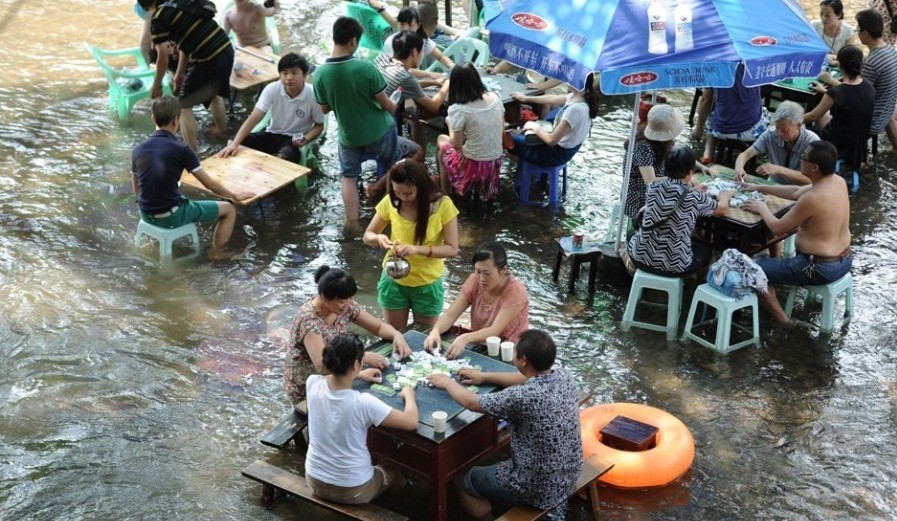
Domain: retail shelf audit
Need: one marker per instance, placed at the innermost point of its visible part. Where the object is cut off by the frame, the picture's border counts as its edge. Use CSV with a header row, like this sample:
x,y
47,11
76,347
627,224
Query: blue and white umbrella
x,y
640,45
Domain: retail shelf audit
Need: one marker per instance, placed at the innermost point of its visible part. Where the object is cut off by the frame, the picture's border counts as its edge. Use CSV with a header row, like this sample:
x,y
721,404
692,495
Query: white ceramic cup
x,y
507,351
492,345
239,68
439,418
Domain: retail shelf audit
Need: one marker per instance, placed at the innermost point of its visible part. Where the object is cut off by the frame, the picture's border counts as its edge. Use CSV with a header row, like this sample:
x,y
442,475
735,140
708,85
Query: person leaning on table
x,y
783,145
498,302
338,464
822,218
541,404
326,315
663,245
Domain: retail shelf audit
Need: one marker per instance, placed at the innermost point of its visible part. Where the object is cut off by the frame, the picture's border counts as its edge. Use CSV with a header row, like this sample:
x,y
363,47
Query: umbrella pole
x,y
626,173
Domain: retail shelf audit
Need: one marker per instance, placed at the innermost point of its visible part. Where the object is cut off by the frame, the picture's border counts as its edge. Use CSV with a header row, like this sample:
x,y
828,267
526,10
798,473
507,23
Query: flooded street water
x,y
131,391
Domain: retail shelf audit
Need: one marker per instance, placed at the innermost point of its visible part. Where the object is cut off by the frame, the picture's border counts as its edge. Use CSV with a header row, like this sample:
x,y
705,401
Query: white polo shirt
x,y
290,115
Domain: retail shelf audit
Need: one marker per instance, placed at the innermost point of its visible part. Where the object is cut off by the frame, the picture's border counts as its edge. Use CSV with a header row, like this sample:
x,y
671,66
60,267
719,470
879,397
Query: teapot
x,y
397,266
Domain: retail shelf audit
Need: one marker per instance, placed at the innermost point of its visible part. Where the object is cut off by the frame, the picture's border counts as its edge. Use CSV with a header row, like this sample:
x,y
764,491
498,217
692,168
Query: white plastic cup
x,y
439,418
239,68
507,351
493,343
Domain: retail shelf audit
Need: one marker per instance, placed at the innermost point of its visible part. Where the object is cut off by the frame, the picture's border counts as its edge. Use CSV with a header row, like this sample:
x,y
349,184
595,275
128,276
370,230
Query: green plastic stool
x,y
725,309
672,286
829,293
166,237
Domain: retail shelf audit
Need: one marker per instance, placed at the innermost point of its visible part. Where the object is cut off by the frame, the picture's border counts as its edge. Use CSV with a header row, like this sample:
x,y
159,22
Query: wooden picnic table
x,y
739,228
248,170
259,67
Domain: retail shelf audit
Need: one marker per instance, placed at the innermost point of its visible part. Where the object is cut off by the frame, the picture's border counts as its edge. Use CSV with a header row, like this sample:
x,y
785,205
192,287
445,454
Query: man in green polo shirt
x,y
356,92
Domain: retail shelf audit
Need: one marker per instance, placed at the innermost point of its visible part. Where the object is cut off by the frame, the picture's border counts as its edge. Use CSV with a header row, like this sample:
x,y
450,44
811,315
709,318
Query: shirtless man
x,y
822,218
247,20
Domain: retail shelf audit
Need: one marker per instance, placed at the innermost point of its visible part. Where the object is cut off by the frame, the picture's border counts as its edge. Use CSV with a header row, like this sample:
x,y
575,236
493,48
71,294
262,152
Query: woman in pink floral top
x,y
323,317
498,302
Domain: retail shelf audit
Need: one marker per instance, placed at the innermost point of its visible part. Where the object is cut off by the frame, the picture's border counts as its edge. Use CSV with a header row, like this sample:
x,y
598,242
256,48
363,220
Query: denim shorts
x,y
481,482
385,149
796,271
751,134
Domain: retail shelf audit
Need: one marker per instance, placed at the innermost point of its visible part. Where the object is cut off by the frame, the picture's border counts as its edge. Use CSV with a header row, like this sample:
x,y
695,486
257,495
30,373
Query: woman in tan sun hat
x,y
652,143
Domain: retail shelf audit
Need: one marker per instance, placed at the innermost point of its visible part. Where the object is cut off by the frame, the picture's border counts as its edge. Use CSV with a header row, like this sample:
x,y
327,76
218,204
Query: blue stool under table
x,y
527,171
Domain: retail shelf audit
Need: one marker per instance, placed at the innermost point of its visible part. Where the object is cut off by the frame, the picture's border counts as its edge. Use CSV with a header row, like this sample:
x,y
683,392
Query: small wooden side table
x,y
588,252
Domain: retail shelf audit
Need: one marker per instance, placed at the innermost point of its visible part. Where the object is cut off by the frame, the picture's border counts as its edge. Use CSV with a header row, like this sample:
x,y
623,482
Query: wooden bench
x,y
592,469
288,429
273,478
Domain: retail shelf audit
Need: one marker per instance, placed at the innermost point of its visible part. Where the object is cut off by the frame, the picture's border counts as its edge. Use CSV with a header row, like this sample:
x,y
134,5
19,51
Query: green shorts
x,y
188,212
424,301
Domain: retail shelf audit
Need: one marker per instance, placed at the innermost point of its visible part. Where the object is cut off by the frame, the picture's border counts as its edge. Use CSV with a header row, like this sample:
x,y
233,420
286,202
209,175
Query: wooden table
x,y
248,170
437,457
507,84
740,228
260,67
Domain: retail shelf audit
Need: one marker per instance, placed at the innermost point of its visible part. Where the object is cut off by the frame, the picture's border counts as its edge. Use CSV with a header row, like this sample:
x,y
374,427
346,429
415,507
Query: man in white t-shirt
x,y
296,118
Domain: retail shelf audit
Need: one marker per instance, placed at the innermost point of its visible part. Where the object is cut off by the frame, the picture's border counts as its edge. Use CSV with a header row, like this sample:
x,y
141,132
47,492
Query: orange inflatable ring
x,y
668,460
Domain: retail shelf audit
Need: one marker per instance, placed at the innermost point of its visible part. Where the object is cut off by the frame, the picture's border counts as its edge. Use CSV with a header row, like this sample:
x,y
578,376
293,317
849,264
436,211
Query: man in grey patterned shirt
x,y
541,405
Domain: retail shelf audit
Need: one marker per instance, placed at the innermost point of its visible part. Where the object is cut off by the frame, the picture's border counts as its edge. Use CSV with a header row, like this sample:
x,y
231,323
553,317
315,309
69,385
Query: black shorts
x,y
279,145
205,80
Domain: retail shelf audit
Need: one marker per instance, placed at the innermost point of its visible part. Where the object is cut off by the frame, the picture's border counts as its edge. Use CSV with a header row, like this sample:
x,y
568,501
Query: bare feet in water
x,y
222,254
215,133
372,191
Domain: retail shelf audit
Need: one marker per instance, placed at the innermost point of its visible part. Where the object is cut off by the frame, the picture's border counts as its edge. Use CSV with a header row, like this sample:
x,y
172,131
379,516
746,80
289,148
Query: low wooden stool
x,y
624,433
587,253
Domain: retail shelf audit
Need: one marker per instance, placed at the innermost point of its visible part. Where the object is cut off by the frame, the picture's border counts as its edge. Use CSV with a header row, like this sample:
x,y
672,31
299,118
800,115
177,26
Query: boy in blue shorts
x,y
156,167
356,92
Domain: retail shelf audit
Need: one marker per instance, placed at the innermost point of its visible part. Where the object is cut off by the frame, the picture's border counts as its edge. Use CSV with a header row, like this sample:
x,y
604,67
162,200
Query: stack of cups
x,y
493,344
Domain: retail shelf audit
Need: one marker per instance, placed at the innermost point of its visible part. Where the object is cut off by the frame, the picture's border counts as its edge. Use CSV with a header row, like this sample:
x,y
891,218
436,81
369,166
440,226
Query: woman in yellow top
x,y
424,229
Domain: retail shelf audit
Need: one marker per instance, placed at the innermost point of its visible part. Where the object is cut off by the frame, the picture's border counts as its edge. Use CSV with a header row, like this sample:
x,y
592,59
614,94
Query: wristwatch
x,y
381,9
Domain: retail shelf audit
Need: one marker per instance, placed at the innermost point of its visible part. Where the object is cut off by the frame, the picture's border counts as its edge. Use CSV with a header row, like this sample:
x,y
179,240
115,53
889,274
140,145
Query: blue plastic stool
x,y
527,171
725,309
829,293
166,237
852,186
672,286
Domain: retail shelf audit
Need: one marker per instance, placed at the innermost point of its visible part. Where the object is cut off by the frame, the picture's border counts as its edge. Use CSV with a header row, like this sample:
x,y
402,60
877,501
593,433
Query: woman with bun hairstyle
x,y
338,464
323,317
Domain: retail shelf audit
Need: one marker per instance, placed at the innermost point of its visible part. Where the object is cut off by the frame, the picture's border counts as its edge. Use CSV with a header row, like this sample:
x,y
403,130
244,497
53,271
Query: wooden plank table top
x,y
776,204
259,67
248,170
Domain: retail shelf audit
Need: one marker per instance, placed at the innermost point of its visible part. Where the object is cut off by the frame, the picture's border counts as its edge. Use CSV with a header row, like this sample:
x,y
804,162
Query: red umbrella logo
x,y
638,78
530,21
763,40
